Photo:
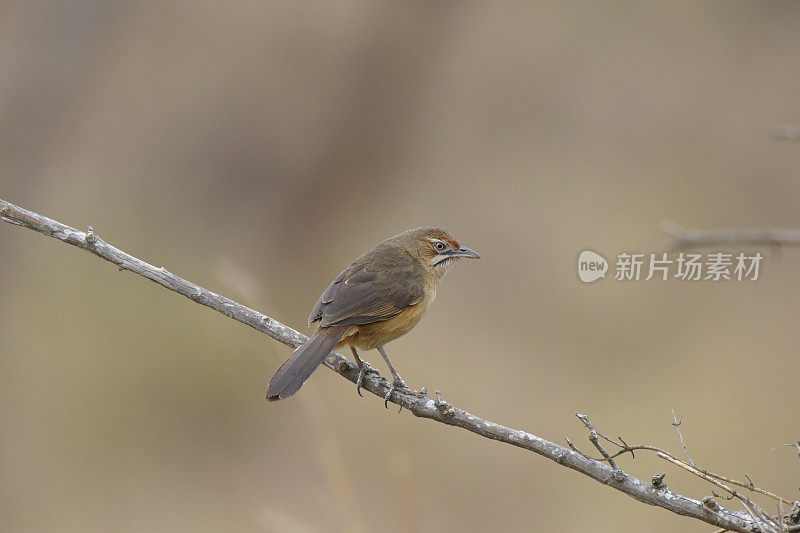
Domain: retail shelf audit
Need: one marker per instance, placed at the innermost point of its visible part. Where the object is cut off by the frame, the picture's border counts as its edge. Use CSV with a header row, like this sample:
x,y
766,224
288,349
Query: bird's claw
x,y
396,384
363,369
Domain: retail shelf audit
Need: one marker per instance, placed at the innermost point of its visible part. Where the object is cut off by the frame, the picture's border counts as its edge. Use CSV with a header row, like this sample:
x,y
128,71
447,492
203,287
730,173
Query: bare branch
x,y
695,238
417,403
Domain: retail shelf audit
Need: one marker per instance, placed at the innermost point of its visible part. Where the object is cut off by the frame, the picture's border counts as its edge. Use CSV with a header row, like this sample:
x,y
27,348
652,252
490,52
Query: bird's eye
x,y
440,247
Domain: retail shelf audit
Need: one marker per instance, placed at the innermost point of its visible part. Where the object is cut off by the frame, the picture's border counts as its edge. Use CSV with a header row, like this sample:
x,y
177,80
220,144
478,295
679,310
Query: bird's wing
x,y
373,288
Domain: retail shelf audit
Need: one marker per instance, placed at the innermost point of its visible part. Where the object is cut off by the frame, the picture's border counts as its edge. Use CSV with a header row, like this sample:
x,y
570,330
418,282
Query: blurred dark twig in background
x,y
693,238
786,132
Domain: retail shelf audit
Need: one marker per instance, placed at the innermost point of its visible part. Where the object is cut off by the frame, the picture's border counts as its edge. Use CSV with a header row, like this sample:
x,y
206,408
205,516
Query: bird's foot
x,y
398,383
363,368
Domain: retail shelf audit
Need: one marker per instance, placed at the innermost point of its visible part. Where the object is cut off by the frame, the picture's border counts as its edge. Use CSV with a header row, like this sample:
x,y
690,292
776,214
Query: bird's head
x,y
435,248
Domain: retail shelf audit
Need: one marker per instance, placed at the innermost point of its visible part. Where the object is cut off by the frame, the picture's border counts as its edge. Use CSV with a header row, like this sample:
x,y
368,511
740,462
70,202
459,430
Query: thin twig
x,y
748,486
690,468
787,529
758,514
796,446
766,522
677,424
695,471
593,438
417,403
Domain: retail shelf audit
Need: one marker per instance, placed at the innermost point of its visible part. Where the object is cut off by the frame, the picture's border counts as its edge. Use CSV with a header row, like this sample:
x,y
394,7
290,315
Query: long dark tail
x,y
299,367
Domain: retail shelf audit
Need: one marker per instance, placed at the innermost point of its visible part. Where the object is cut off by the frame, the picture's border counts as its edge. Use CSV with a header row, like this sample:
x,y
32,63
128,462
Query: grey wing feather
x,y
358,296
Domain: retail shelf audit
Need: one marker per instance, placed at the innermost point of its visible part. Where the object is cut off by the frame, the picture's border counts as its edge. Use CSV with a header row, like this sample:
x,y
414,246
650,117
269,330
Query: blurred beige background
x,y
257,147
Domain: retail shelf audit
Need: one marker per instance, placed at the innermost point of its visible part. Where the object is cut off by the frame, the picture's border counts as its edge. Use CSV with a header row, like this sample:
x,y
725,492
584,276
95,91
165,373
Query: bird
x,y
379,297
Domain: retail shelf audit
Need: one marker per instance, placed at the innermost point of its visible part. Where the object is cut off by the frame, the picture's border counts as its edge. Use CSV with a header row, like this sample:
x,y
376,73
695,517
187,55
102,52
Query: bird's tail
x,y
299,367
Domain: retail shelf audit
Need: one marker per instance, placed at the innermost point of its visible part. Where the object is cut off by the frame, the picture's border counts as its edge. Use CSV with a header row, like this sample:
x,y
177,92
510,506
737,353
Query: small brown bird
x,y
379,297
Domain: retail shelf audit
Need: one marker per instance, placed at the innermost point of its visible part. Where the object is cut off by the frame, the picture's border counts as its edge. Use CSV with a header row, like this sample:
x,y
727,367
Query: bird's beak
x,y
465,252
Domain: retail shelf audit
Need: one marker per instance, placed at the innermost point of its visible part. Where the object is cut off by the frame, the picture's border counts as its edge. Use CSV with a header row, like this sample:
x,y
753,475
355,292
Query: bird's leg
x,y
363,368
397,383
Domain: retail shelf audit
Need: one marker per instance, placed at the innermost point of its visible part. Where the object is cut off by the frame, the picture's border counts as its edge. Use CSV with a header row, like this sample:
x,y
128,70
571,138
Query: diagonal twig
x,y
677,424
593,434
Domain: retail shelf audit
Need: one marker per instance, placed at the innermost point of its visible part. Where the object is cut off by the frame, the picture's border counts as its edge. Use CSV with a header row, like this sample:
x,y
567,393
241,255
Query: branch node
x,y
90,236
619,475
794,516
444,408
658,481
710,503
626,448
